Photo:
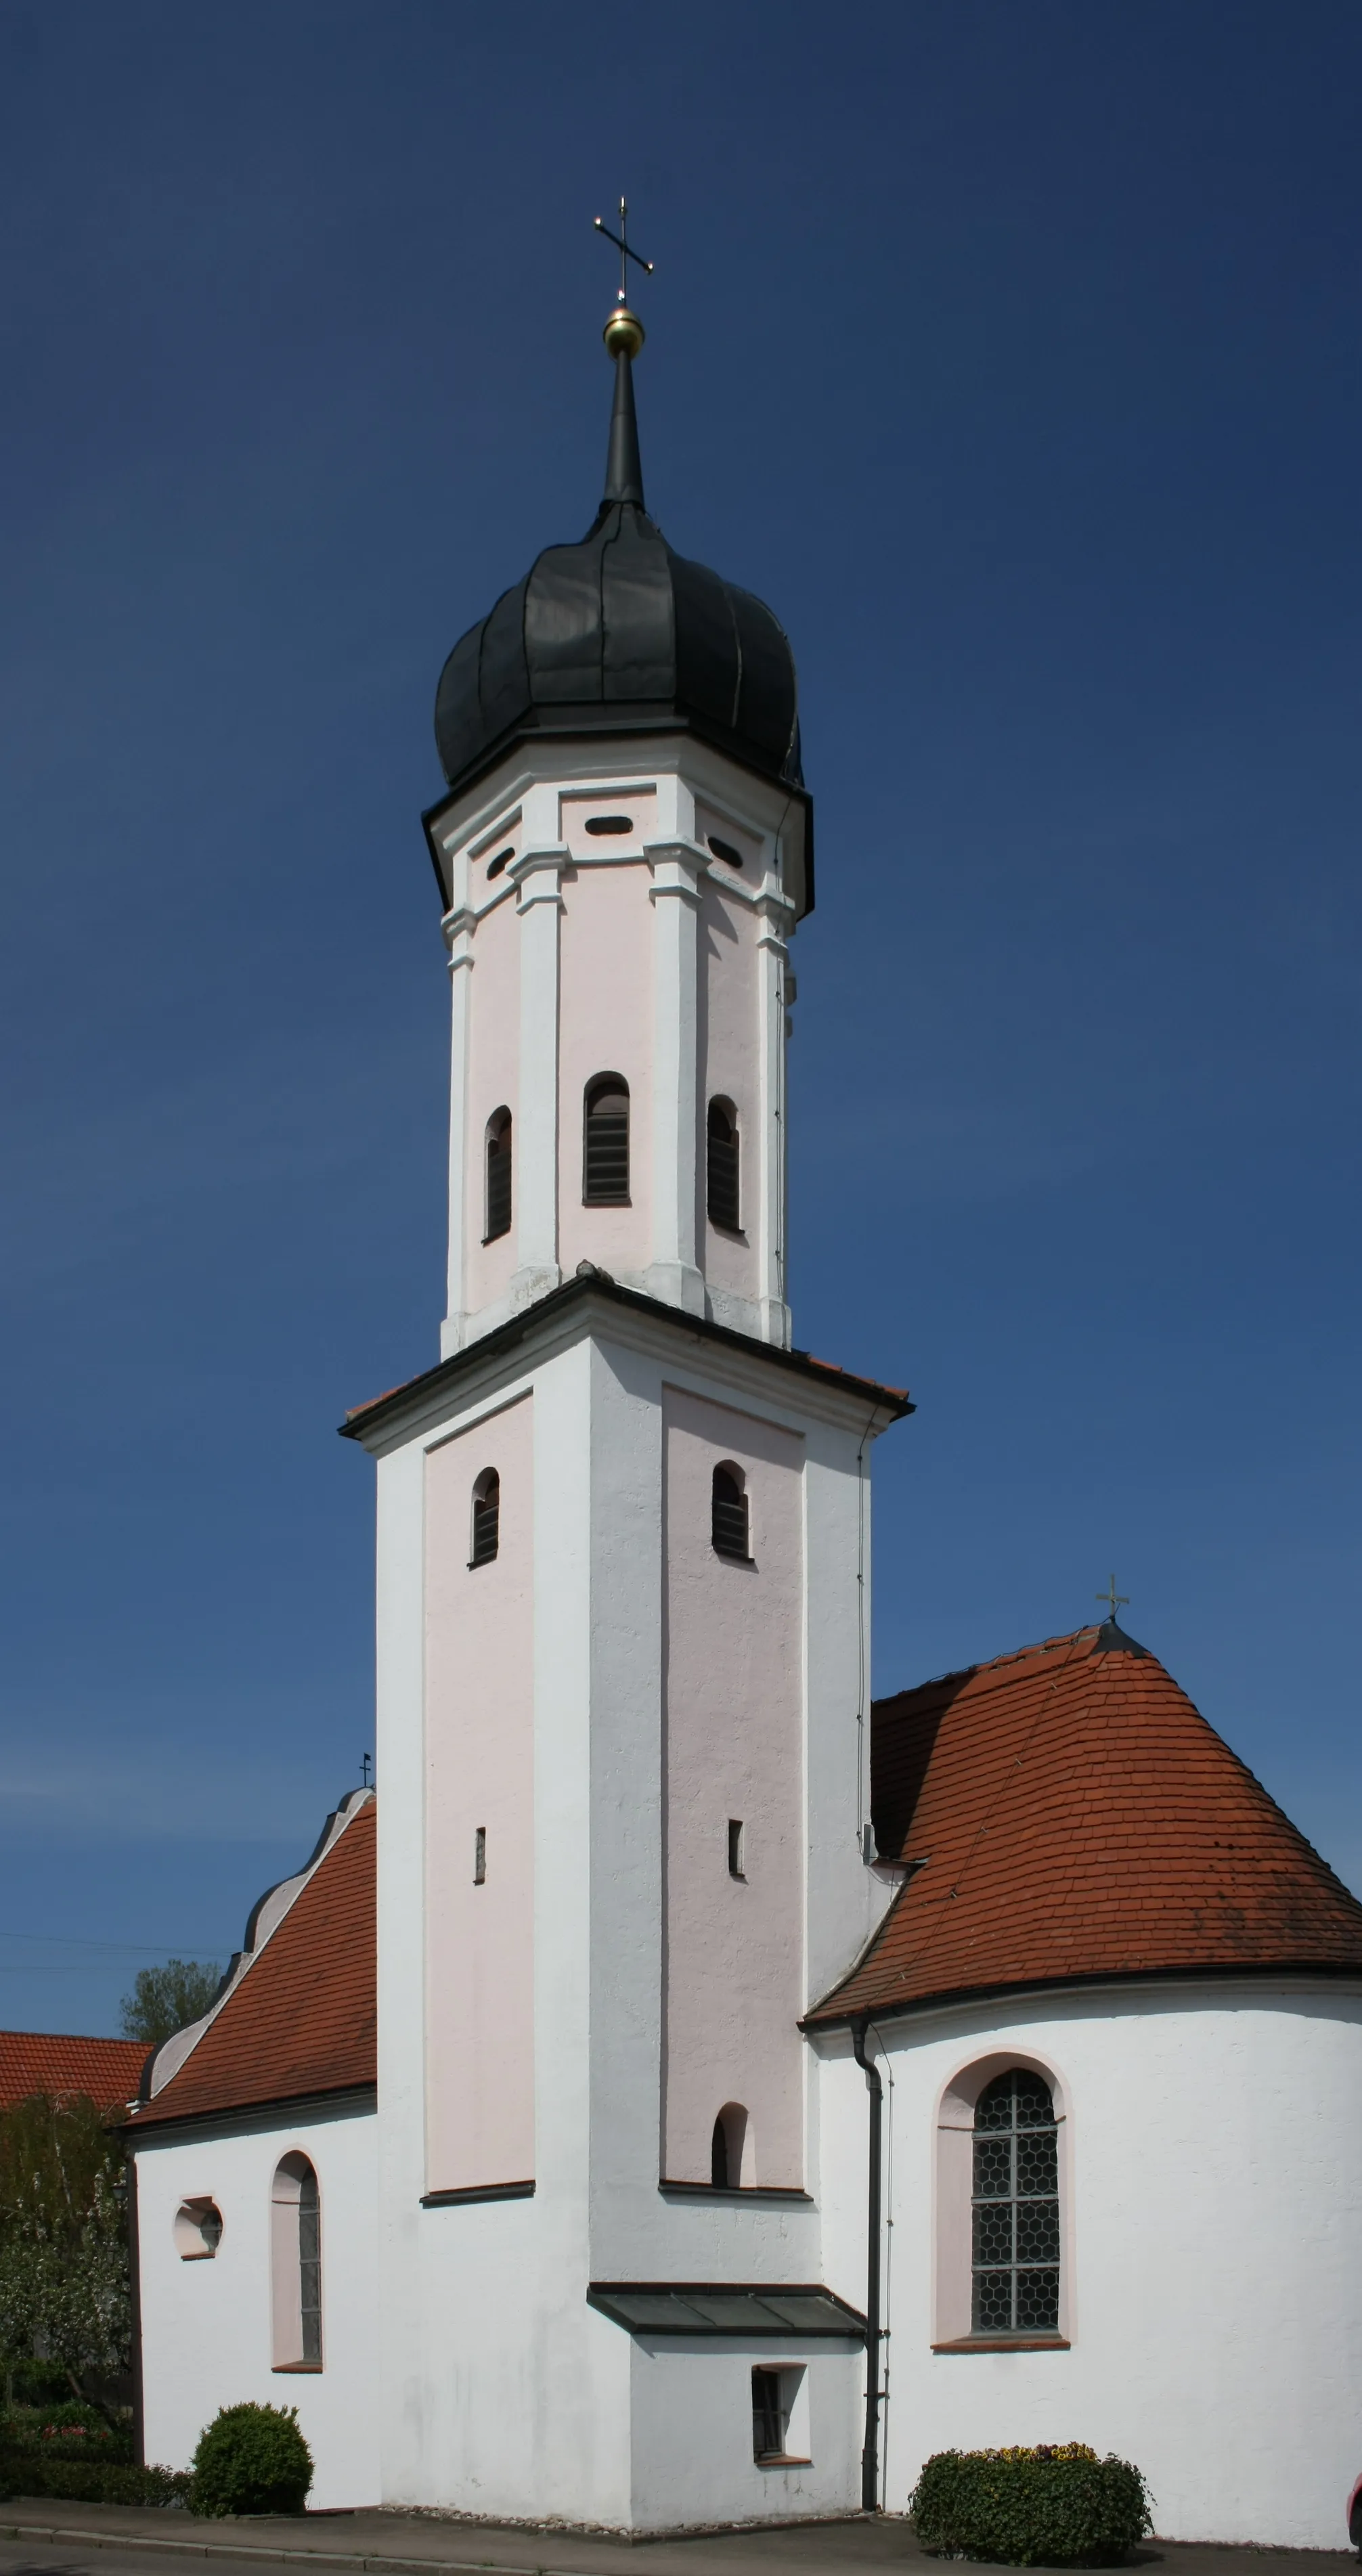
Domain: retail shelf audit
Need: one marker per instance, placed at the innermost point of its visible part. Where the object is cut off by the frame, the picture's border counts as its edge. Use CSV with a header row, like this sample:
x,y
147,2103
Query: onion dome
x,y
618,634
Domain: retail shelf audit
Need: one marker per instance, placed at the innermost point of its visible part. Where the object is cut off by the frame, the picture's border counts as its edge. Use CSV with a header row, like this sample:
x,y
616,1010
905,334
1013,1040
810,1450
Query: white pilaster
x,y
673,1272
775,910
458,927
537,876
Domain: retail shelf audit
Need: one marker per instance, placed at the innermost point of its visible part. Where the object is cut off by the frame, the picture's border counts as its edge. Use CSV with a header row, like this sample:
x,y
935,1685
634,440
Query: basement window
x,y
780,2431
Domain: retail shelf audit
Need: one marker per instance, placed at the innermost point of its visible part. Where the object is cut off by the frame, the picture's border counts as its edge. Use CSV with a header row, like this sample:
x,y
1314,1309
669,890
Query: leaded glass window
x,y
1016,2207
310,2266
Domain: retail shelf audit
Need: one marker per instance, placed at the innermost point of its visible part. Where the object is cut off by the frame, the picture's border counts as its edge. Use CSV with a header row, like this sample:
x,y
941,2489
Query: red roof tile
x,y
1076,1817
34,2061
302,2017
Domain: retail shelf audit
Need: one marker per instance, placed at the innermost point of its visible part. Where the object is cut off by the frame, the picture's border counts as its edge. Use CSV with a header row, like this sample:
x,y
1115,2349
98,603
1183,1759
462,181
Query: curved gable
x,y
297,2013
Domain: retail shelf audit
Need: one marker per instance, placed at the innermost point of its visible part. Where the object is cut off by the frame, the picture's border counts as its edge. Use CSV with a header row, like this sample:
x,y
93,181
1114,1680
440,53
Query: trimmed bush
x,y
1056,2506
251,2459
34,2472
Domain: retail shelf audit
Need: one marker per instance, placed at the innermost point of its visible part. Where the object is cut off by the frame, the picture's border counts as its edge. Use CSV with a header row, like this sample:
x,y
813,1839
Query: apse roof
x,y
618,633
33,2061
299,2012
1066,1813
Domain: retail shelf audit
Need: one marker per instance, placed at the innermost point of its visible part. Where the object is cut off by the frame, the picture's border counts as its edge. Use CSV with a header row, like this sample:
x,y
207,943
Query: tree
x,y
64,2283
164,1999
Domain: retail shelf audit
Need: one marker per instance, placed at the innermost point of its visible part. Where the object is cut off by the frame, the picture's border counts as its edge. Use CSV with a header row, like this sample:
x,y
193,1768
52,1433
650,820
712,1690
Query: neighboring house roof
x,y
1066,1813
39,2061
297,2014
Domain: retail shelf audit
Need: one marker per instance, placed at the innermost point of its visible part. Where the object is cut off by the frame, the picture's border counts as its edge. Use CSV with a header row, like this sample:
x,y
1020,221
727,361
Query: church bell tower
x,y
623,1547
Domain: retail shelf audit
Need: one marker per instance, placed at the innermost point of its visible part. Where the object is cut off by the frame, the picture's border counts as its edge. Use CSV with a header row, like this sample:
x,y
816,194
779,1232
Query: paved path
x,y
43,2538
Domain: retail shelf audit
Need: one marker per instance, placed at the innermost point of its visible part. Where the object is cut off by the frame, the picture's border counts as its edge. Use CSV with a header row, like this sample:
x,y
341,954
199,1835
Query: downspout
x,y
139,2420
870,2456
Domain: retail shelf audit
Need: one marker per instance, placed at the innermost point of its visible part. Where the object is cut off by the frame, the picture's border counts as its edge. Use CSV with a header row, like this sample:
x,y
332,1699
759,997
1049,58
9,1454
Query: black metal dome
x,y
620,634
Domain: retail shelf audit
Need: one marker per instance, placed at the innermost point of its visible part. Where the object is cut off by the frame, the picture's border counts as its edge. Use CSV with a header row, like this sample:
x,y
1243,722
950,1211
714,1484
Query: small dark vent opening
x,y
495,866
486,1518
724,850
602,825
605,1146
729,1516
721,1167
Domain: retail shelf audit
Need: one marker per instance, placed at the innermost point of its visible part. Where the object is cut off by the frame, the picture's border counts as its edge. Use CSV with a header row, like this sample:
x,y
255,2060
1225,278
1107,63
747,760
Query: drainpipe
x,y
139,2424
870,2456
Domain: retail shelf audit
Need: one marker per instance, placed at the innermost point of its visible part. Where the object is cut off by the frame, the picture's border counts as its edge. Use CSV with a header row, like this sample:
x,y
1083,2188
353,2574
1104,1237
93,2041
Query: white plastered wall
x,y
206,2324
1213,2236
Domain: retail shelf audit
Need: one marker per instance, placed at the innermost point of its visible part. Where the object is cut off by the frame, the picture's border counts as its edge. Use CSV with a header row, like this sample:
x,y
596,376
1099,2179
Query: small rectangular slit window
x,y
735,1848
480,1856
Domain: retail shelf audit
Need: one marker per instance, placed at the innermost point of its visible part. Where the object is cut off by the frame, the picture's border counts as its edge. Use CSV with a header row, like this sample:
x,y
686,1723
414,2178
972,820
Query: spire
x,y
623,469
623,337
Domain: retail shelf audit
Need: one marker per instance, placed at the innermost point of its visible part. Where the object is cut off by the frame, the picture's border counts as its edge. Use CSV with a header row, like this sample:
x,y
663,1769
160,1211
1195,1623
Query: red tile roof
x,y
1076,1817
302,2016
33,2061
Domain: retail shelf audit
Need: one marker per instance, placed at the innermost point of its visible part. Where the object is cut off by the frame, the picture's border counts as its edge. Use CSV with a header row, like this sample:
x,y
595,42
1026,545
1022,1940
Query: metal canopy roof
x,y
725,2308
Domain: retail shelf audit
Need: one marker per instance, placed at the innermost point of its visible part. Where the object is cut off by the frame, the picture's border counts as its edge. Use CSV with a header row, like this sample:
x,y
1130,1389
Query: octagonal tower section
x,y
617,925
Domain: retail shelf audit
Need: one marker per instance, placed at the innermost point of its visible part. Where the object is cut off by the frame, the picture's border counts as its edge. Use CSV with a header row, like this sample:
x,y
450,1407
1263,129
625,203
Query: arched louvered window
x,y
486,1530
728,1514
605,1142
498,1158
726,2148
721,1165
296,2265
1016,2206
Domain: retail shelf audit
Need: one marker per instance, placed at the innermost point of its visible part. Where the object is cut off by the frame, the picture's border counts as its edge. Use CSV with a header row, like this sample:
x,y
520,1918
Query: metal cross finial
x,y
621,242
366,1766
1114,1600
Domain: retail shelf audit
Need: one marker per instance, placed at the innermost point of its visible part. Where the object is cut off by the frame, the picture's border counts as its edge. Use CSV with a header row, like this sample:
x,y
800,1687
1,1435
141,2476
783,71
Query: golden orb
x,y
623,332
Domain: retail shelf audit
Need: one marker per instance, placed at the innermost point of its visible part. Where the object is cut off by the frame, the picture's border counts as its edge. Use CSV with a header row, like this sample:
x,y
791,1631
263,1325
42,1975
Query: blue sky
x,y
1012,354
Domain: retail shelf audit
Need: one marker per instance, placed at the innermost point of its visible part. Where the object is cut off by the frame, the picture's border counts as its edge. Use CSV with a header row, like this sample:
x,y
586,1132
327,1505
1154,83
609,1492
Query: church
x,y
685,2091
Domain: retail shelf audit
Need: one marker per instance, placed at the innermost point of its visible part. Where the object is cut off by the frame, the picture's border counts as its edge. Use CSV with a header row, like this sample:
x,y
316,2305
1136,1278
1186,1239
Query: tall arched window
x,y
1015,2209
728,1514
727,2148
296,2265
721,1166
498,1158
485,1536
605,1142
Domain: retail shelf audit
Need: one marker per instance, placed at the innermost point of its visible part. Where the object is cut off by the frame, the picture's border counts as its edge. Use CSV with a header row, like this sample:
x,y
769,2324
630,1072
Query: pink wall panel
x,y
606,988
479,1772
733,1748
729,1041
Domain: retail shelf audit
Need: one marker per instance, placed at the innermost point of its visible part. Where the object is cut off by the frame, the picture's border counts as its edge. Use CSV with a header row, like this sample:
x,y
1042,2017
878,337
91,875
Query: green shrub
x,y
33,2472
251,2459
1058,2505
